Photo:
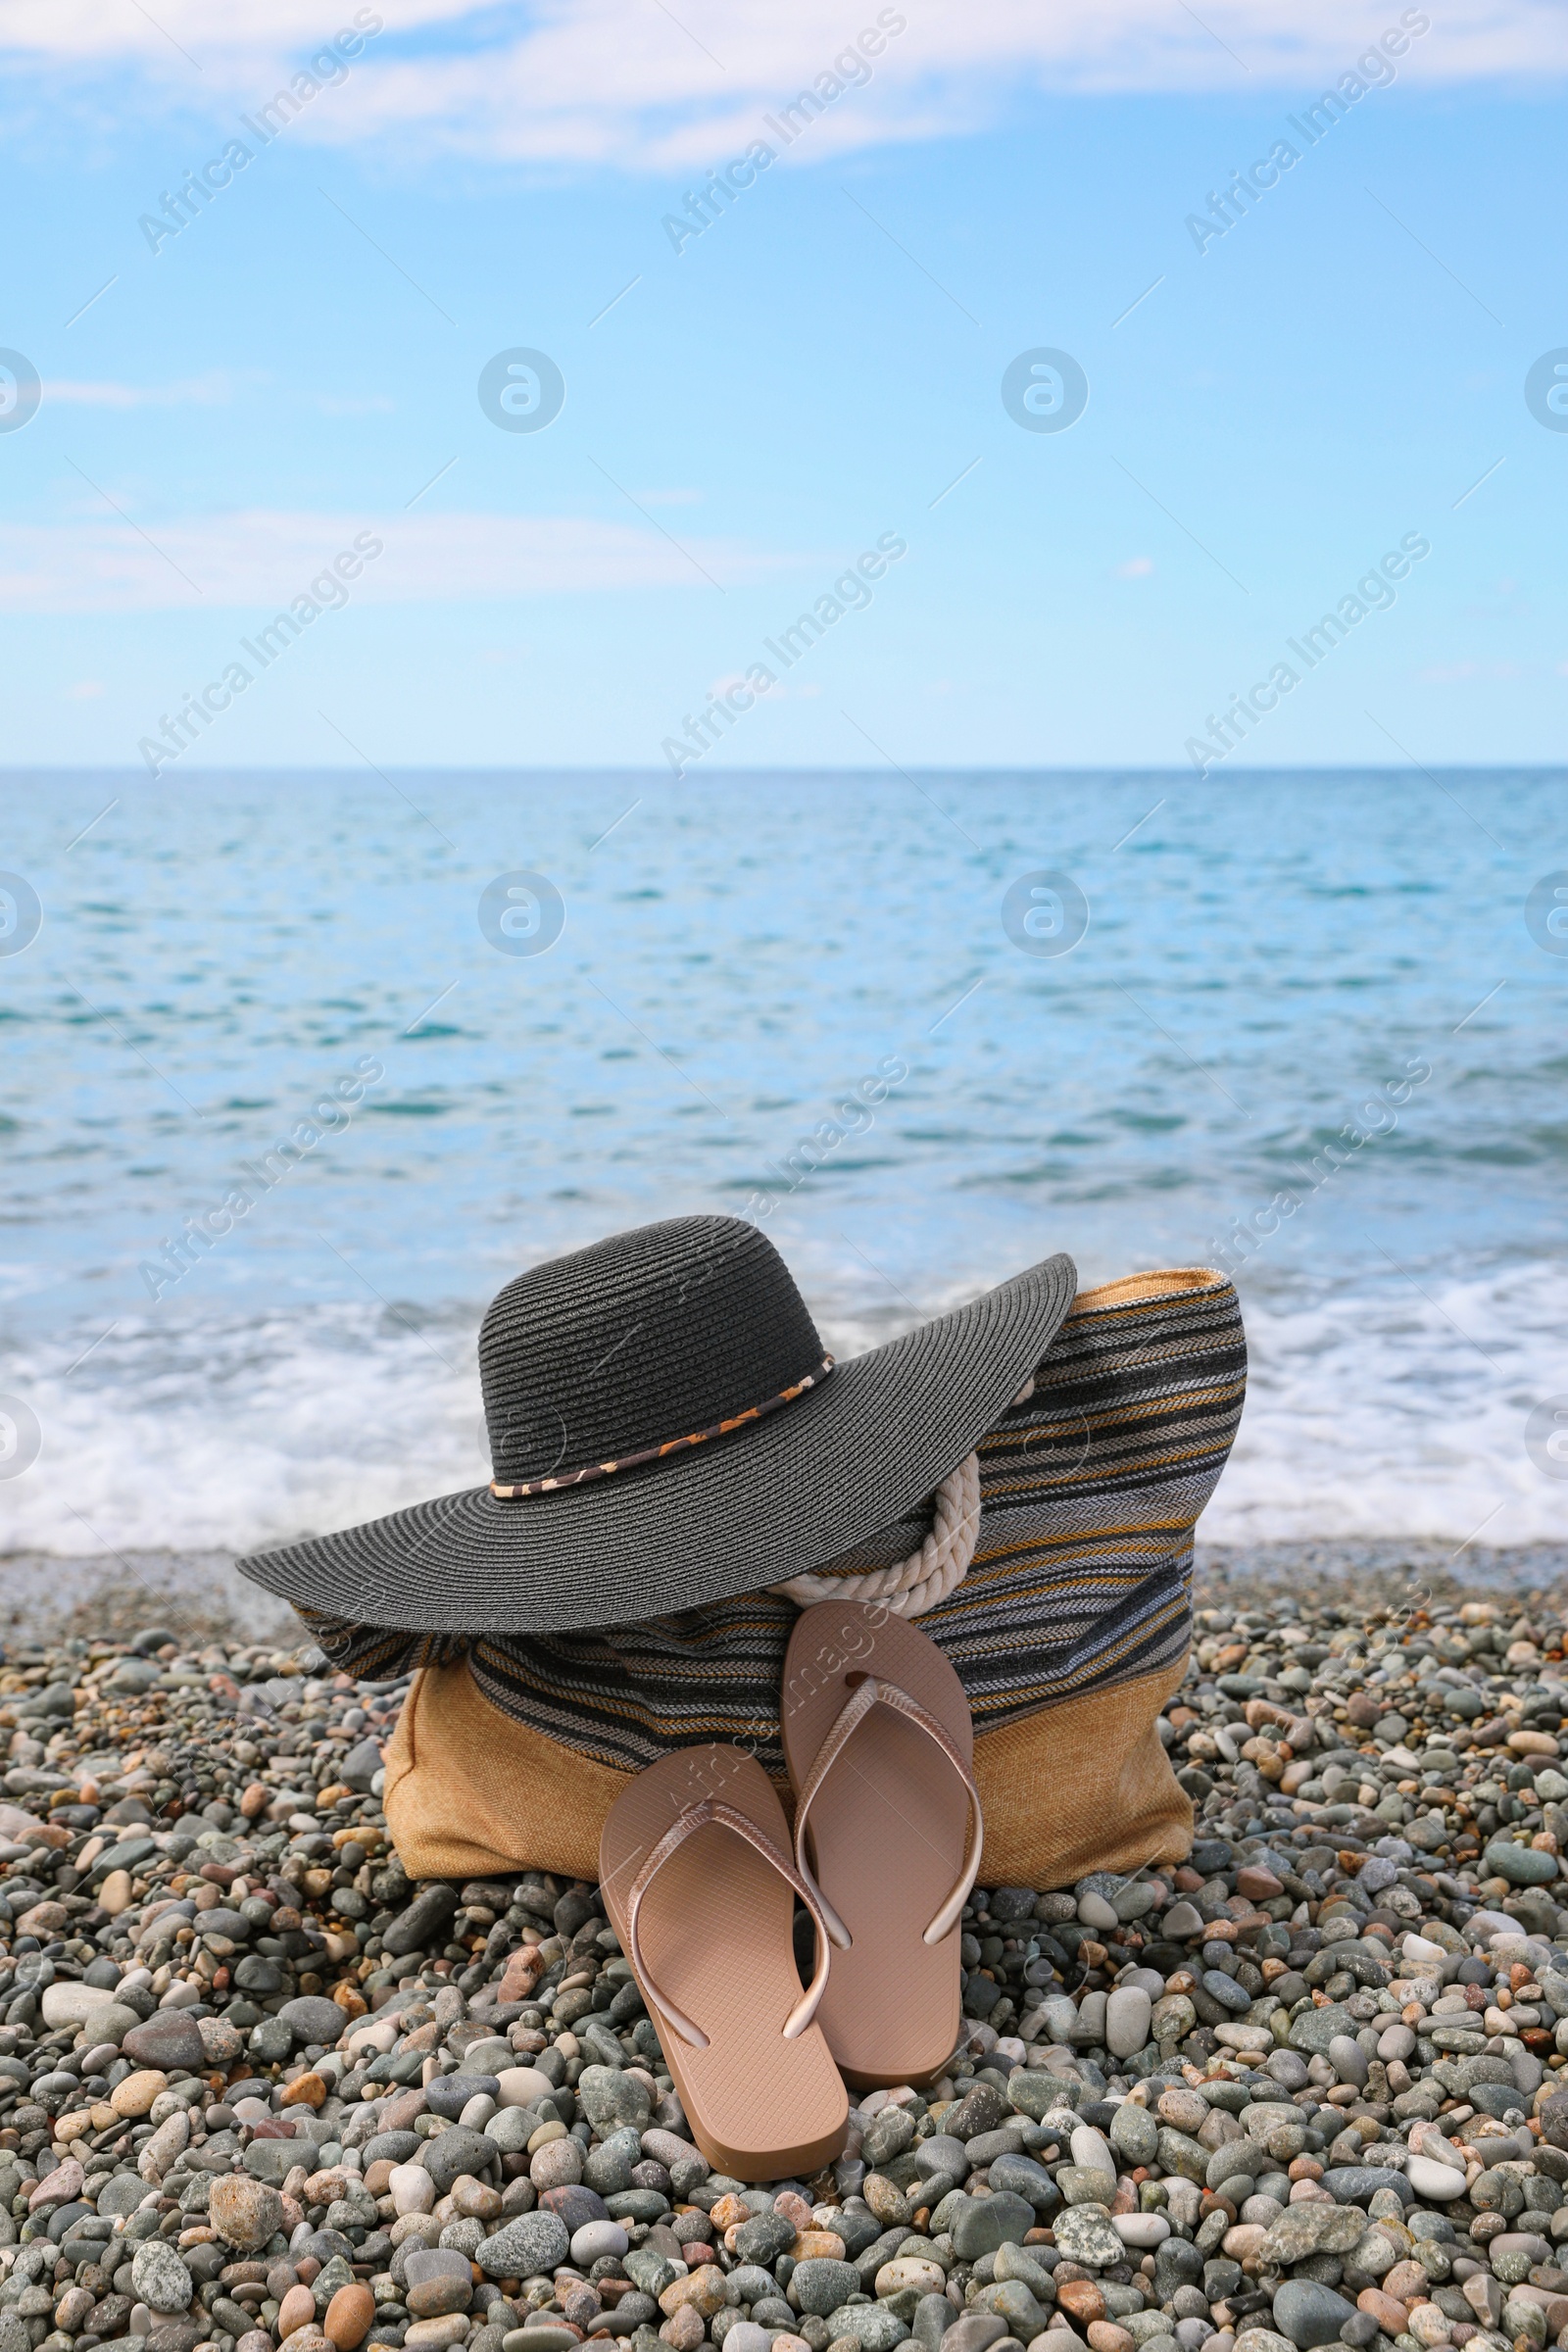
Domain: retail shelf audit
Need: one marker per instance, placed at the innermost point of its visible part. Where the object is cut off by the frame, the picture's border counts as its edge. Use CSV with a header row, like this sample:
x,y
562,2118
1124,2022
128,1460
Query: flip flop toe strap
x,y
712,1811
873,1691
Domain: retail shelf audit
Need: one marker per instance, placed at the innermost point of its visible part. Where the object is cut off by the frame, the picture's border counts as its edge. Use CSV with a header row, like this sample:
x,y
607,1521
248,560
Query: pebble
x,y
1091,2152
349,2317
981,2225
1314,1936
533,2244
1389,2311
1348,2060
1127,2018
159,2278
557,2165
1520,1865
457,2152
244,2212
1142,2230
1303,2230
1086,2234
296,2310
1262,2339
411,2188
873,2326
976,2331
923,2277
820,2286
425,1918
1082,2300
135,2093
66,2004
171,2039
435,2335
1309,2313
1440,2181
610,2099
434,2298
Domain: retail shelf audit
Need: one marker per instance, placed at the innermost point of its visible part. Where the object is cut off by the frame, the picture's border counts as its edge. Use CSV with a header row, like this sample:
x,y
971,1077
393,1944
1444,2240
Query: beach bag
x,y
1069,1631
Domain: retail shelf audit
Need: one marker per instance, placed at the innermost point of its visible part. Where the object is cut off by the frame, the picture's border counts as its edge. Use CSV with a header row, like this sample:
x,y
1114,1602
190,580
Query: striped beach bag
x,y
1068,1628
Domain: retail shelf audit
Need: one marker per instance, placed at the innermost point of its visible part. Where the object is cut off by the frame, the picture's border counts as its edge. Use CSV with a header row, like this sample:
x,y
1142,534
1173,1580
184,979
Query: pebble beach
x,y
1303,2088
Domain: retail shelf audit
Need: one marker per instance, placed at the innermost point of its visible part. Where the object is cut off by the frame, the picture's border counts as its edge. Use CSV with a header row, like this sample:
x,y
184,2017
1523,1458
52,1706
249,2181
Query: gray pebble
x,y
159,2276
524,2248
1309,2313
821,2284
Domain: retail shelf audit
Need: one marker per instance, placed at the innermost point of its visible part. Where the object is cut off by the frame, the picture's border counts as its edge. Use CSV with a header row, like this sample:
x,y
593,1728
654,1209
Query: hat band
x,y
504,1493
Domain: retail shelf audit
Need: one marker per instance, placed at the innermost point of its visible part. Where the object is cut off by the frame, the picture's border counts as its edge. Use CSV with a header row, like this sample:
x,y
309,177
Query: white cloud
x,y
265,558
623,83
203,391
1465,674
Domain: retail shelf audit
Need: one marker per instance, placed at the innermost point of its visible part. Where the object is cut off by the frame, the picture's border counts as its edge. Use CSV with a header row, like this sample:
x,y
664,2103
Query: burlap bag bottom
x,y
1079,1787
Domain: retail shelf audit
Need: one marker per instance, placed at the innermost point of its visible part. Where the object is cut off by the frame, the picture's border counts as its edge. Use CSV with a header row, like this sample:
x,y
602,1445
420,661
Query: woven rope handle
x,y
912,1587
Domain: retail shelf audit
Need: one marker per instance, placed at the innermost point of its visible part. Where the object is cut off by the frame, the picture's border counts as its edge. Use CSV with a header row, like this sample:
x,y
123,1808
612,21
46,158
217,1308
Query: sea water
x,y
298,1070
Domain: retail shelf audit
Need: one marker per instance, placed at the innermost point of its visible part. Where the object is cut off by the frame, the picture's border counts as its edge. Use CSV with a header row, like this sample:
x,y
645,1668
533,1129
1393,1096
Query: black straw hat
x,y
668,1429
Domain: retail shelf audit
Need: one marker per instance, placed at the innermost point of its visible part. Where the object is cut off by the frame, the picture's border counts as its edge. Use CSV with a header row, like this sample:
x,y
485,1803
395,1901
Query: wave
x,y
1395,1411
1400,1411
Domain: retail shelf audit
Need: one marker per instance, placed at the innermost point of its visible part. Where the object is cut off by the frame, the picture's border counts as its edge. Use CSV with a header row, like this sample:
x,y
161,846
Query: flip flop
x,y
888,1831
696,1874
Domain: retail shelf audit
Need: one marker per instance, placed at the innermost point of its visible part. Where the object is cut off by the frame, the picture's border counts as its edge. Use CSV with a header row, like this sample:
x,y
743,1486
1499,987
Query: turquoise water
x,y
1264,963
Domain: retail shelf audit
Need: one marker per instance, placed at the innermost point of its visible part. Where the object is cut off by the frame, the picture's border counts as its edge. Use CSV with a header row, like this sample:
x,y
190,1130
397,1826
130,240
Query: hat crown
x,y
636,1340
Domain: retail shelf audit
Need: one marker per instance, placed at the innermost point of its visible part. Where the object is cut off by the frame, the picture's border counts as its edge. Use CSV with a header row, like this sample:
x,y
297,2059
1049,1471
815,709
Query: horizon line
x,y
985,771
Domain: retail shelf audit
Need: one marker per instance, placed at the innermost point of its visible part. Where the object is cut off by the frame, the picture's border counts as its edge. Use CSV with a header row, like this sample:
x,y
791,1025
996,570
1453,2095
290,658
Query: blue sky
x,y
821,368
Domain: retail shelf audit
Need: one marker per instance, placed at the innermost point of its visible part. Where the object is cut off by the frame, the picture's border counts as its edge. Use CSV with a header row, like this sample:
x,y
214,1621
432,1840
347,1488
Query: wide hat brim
x,y
786,1494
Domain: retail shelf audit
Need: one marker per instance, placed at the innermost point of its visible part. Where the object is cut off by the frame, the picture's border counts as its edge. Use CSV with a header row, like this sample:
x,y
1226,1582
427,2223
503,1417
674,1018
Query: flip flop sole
x,y
886,1835
717,1932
